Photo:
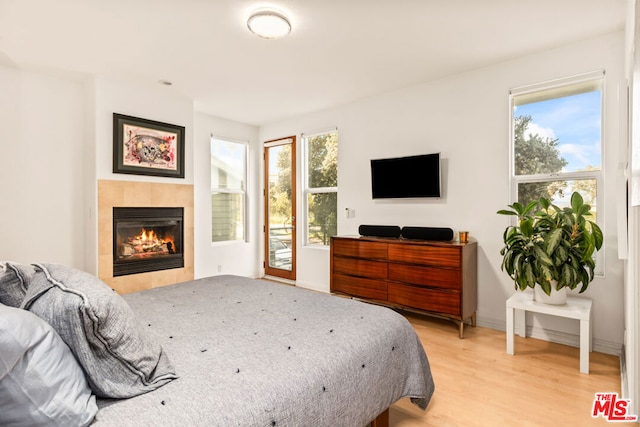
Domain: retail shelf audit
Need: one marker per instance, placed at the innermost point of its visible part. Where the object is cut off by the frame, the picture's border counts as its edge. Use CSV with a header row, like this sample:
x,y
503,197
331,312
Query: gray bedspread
x,y
255,353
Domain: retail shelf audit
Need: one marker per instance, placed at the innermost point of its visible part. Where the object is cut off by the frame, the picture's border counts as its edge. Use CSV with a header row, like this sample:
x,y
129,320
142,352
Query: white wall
x,y
108,96
41,178
163,104
631,378
53,141
58,141
158,102
241,258
466,118
312,261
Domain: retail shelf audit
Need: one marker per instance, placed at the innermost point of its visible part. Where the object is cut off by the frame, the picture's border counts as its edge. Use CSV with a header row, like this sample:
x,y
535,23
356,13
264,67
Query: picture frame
x,y
147,147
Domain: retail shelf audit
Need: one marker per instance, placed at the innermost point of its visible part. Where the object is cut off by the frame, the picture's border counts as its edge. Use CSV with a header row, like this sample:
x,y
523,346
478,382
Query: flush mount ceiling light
x,y
269,24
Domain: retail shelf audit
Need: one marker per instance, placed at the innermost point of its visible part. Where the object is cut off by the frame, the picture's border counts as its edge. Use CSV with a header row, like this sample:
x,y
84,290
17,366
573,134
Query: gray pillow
x,y
120,359
41,384
14,280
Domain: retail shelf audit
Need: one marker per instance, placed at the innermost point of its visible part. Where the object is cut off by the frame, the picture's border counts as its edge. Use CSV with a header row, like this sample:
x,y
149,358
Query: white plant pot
x,y
557,297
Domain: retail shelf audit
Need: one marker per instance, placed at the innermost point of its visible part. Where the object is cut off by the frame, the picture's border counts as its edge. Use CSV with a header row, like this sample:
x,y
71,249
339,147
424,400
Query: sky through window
x,y
575,121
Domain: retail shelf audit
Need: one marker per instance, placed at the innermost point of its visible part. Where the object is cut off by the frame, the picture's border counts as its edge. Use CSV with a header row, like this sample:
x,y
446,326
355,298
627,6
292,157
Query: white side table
x,y
575,308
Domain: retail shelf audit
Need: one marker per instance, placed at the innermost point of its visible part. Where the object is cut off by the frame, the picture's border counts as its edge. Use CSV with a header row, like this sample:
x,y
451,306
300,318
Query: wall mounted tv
x,y
406,177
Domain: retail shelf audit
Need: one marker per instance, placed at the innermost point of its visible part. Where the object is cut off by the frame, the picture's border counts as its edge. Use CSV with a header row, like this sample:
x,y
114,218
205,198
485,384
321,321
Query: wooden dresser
x,y
438,278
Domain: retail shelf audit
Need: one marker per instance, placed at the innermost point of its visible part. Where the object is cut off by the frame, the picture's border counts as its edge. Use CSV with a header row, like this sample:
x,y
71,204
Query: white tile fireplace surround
x,y
142,194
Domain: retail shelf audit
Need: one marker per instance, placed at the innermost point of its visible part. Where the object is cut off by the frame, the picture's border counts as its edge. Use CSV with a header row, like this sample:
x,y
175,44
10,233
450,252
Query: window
x,y
228,190
321,187
556,142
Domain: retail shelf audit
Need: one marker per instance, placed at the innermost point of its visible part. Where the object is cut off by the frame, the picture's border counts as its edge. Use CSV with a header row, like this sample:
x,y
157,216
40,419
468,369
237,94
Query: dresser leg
x,y
473,319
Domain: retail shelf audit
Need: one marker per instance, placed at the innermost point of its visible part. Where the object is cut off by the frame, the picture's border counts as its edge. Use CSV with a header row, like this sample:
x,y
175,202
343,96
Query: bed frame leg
x,y
382,420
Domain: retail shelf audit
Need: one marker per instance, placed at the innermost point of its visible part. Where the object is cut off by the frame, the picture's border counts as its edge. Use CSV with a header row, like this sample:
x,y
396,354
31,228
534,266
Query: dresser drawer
x,y
359,287
426,255
360,267
437,301
359,249
426,276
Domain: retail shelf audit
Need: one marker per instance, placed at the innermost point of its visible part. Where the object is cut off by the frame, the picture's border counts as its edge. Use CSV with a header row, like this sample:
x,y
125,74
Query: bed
x,y
249,352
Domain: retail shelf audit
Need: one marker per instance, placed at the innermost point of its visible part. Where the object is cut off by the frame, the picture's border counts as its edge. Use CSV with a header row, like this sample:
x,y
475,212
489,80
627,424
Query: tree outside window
x,y
557,142
321,187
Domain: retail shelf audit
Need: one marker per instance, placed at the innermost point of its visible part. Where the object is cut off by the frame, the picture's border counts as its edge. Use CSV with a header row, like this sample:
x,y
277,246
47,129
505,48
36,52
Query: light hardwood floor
x,y
478,384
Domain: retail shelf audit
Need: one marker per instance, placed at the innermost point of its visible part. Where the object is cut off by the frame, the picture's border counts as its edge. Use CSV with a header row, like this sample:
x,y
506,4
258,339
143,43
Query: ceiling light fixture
x,y
269,24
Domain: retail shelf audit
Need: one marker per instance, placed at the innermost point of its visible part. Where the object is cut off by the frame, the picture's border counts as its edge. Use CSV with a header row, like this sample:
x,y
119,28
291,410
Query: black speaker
x,y
379,230
427,233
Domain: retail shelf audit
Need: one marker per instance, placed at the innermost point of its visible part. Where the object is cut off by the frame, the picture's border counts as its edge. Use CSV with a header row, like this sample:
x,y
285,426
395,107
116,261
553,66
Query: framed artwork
x,y
147,147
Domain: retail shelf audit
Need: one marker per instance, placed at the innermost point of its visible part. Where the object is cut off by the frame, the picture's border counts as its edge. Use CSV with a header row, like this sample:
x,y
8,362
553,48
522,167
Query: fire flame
x,y
148,240
147,236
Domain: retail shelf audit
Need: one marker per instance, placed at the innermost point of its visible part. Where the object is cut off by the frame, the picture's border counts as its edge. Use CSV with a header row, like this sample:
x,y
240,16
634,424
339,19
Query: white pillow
x,y
41,383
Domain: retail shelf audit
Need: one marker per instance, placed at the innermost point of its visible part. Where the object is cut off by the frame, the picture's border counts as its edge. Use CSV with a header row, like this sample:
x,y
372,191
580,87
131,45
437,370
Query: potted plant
x,y
551,247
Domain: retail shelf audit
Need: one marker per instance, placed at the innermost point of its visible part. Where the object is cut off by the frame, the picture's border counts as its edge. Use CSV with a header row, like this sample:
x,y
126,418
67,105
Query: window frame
x,y
244,192
597,175
315,190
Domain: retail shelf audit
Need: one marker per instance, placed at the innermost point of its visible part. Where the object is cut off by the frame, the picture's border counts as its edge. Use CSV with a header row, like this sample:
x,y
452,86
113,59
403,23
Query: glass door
x,y
280,205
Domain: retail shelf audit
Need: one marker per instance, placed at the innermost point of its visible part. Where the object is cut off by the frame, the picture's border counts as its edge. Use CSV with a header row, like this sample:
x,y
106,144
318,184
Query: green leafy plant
x,y
550,243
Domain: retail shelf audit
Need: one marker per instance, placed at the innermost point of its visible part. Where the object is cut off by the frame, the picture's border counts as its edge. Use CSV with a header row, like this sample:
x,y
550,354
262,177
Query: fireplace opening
x,y
147,239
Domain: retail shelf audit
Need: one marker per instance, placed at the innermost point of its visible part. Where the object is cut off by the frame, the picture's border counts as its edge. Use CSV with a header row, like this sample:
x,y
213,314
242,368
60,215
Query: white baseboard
x,y
279,279
311,286
573,340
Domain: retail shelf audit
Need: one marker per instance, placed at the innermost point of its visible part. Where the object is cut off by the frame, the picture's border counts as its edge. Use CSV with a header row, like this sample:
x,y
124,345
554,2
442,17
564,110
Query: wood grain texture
x,y
426,255
434,300
360,287
382,420
425,276
360,267
360,249
479,384
437,277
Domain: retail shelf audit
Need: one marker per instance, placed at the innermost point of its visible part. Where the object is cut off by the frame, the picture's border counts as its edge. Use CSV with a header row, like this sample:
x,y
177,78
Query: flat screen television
x,y
406,177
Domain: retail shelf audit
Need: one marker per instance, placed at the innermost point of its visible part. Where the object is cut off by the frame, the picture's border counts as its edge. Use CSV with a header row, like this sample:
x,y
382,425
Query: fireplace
x,y
147,239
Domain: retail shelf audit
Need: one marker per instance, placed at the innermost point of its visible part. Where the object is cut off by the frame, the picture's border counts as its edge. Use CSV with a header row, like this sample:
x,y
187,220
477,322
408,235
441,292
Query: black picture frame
x,y
147,147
